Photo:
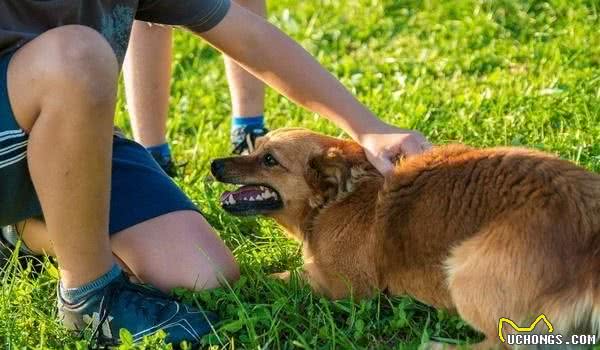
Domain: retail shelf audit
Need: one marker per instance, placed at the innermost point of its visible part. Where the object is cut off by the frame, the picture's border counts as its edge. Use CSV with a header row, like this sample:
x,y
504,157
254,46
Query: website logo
x,y
524,335
531,327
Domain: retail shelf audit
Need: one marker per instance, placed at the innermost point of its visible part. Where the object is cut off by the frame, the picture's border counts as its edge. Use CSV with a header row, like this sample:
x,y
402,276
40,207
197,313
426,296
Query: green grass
x,y
485,73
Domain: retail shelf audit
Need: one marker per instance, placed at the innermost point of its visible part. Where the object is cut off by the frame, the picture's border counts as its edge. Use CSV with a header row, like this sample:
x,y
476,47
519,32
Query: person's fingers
x,y
382,164
383,152
409,147
426,145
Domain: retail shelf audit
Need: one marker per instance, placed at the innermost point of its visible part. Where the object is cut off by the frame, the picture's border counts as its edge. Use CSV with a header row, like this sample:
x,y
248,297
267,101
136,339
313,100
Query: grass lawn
x,y
481,72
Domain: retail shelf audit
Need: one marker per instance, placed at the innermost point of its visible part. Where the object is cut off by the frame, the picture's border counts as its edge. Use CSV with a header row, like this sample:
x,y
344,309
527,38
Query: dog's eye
x,y
269,160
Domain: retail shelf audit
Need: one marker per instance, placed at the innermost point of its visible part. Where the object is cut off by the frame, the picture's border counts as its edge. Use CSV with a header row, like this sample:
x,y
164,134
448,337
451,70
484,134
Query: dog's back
x,y
524,228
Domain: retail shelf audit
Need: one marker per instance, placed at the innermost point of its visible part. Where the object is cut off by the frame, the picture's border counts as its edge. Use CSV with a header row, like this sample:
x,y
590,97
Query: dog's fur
x,y
489,233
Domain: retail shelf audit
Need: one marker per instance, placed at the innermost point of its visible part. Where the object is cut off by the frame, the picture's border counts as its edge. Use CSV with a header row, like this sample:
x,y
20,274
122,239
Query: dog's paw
x,y
283,276
436,346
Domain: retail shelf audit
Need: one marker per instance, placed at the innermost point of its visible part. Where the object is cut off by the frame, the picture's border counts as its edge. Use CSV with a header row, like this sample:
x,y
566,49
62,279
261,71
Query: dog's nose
x,y
217,167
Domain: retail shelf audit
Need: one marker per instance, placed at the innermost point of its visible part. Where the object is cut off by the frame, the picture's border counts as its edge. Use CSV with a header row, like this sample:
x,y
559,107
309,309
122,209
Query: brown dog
x,y
492,233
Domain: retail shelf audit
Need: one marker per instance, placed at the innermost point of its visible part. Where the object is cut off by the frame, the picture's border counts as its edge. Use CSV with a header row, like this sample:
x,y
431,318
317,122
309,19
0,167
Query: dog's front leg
x,y
326,281
321,283
284,276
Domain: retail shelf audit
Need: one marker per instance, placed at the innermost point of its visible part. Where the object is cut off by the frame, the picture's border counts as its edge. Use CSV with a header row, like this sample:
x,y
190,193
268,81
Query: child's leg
x,y
247,96
62,88
178,249
247,92
155,229
147,74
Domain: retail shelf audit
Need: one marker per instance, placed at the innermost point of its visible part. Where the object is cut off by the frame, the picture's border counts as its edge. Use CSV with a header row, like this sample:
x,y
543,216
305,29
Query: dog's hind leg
x,y
484,281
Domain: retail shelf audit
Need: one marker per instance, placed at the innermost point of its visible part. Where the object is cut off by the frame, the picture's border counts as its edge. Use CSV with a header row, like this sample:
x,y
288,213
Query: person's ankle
x,y
77,294
240,122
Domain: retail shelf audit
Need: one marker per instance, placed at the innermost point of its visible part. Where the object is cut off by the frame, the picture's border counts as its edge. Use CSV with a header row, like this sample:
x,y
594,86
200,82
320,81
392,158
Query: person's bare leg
x,y
178,249
247,92
34,235
147,75
62,87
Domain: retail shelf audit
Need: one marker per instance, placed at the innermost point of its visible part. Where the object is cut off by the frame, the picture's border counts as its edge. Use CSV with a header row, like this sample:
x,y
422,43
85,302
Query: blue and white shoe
x,y
139,309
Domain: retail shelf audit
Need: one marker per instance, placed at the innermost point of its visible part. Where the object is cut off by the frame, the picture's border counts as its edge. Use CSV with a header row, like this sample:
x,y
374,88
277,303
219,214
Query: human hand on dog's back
x,y
386,142
270,55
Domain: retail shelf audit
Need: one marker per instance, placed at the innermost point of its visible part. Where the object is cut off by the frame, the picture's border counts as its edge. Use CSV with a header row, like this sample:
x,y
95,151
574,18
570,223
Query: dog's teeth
x,y
274,195
259,198
251,199
232,200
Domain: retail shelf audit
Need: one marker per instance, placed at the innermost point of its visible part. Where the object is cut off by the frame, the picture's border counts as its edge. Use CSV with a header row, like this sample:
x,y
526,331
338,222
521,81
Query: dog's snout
x,y
217,168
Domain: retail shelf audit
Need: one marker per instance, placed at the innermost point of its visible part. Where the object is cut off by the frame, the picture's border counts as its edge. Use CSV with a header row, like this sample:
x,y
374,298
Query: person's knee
x,y
219,269
218,276
178,249
81,62
229,270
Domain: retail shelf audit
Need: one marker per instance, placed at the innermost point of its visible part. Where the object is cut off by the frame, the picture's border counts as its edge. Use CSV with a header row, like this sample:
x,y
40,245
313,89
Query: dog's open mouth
x,y
251,200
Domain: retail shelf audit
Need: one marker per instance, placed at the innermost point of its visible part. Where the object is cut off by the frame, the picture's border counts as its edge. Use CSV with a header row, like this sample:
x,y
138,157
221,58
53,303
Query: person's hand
x,y
388,142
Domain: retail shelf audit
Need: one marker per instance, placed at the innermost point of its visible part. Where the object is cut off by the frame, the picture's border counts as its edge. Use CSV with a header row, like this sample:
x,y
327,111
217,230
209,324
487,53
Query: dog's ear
x,y
328,175
259,141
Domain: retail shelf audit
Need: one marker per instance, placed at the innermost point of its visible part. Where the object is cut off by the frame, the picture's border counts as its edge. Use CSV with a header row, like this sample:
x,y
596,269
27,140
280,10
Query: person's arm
x,y
276,59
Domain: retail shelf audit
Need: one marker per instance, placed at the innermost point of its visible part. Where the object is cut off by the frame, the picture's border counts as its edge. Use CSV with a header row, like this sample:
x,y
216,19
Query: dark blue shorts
x,y
140,189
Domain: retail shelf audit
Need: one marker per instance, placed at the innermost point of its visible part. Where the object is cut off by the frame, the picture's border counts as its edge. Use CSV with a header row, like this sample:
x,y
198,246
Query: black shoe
x,y
243,139
166,164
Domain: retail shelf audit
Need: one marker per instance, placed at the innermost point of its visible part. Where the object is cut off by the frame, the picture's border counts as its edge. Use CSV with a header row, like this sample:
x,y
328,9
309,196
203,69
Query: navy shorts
x,y
140,190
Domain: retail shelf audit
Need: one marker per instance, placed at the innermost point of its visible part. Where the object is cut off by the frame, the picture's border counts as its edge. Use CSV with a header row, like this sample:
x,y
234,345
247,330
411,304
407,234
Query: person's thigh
x,y
179,249
48,79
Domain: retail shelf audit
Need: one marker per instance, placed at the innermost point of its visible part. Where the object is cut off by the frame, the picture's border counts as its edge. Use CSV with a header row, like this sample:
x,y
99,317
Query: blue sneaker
x,y
139,309
243,139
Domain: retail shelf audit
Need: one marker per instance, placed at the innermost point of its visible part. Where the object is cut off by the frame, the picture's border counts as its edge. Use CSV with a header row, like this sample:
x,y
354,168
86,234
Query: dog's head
x,y
291,173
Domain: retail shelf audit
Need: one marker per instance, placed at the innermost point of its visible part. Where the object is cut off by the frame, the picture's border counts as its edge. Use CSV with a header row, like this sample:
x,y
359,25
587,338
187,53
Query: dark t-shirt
x,y
23,20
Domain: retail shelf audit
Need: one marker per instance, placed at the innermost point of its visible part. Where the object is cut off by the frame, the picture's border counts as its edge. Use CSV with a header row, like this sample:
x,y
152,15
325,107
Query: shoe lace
x,y
144,292
245,138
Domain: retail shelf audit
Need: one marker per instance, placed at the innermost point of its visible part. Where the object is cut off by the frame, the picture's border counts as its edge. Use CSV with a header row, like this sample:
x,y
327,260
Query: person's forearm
x,y
273,57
